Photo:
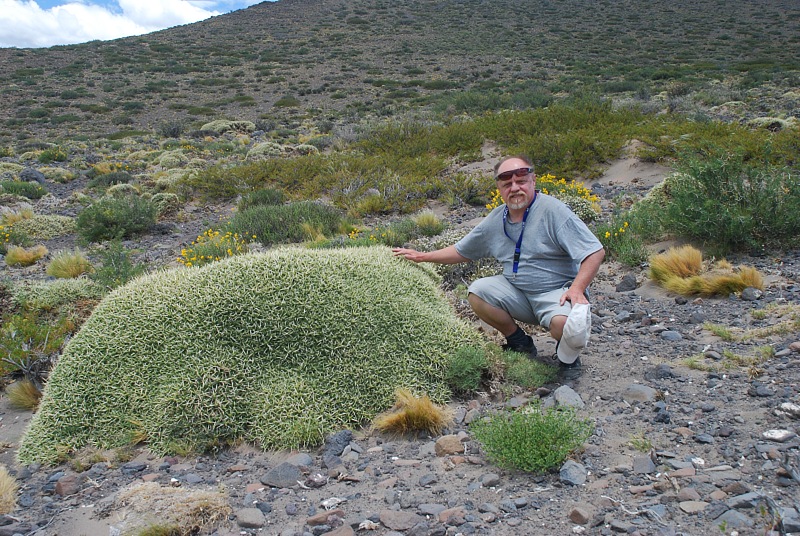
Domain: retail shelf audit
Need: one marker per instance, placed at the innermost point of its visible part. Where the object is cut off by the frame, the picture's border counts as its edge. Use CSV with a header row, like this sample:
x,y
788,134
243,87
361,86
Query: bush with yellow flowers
x,y
574,194
278,349
213,246
621,242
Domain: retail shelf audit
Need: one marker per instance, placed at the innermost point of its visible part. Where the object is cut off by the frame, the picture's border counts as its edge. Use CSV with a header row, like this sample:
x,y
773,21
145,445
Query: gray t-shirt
x,y
554,244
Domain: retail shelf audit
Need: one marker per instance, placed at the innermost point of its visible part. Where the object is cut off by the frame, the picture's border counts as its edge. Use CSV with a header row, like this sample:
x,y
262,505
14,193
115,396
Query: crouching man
x,y
549,258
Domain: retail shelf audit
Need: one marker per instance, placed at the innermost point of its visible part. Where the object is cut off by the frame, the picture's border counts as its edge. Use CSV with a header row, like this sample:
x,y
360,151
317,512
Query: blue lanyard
x,y
518,247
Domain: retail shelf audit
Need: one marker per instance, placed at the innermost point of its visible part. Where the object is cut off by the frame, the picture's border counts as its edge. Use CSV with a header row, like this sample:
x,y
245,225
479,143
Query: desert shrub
x,y
280,224
212,246
53,154
621,241
69,264
10,169
109,179
220,126
9,236
533,439
412,414
116,267
111,218
31,190
279,348
166,202
172,128
29,340
466,369
52,295
18,256
464,188
428,223
684,261
57,174
122,190
172,159
725,202
6,151
264,196
265,150
46,226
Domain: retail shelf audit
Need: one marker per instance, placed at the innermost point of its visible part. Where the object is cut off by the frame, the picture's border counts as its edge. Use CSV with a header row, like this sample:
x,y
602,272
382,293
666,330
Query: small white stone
x,y
779,436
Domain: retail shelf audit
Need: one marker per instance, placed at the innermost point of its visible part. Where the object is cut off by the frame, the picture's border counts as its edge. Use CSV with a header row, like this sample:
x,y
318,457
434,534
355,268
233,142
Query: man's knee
x,y
557,326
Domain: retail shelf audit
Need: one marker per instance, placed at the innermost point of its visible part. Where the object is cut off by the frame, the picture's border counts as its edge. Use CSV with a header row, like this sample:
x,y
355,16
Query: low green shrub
x,y
466,370
53,154
621,241
727,203
279,348
29,337
533,439
52,295
109,179
264,196
281,224
525,372
31,190
45,226
111,218
116,267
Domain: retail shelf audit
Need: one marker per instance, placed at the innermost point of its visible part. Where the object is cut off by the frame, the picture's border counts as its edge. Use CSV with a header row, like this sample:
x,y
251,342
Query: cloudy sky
x,y
44,23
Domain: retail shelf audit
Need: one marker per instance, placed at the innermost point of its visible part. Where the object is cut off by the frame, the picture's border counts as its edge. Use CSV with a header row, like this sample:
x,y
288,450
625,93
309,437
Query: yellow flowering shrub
x,y
213,246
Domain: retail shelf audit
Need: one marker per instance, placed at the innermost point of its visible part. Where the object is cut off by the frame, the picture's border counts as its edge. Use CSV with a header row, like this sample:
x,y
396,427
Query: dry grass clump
x,y
19,256
12,217
183,511
412,414
684,261
8,491
24,394
681,270
69,265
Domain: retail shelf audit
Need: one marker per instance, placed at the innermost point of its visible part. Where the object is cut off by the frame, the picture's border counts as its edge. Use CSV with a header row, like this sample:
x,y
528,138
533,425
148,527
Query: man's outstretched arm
x,y
447,255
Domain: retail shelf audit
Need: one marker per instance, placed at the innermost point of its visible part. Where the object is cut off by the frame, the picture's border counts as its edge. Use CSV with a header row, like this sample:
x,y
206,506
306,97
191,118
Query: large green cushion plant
x,y
277,348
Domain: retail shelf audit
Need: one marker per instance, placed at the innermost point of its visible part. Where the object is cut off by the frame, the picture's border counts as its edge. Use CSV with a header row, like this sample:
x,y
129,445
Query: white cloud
x,y
25,24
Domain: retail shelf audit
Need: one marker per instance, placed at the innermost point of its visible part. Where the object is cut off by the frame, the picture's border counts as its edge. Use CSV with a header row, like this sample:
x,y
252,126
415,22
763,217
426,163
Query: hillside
x,y
296,62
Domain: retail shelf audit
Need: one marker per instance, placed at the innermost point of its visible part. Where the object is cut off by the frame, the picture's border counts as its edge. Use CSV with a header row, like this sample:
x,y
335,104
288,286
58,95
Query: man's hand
x,y
447,255
410,254
574,296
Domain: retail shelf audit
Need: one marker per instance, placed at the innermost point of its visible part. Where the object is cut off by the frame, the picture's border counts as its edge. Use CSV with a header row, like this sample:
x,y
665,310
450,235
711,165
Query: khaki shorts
x,y
530,309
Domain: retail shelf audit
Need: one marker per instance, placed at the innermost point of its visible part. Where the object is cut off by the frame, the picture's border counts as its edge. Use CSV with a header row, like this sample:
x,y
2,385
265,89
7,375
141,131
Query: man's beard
x,y
516,205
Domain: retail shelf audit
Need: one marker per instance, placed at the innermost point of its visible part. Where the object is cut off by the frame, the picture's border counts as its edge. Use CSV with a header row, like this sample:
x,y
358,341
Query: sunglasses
x,y
521,172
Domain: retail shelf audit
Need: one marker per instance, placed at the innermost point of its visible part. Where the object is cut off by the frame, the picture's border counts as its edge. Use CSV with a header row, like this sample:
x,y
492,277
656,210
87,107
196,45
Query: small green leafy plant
x,y
111,218
534,439
466,369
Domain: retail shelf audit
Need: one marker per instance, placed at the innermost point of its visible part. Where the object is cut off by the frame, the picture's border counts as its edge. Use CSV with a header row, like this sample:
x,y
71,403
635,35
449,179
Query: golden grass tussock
x,y
183,511
24,394
12,217
19,256
684,261
8,491
413,414
680,270
69,265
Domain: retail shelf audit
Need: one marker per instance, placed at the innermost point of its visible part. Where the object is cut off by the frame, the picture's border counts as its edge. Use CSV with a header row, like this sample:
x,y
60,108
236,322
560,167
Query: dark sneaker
x,y
570,371
529,349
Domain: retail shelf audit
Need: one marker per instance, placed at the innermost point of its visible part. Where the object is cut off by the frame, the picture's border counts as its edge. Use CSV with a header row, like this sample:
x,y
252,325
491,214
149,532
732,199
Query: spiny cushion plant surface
x,y
277,348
